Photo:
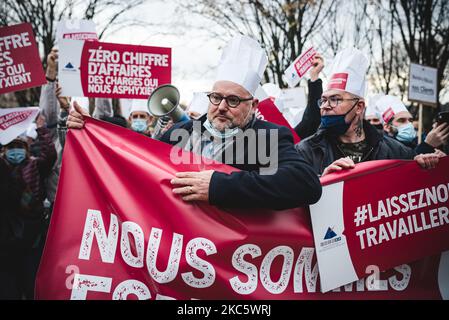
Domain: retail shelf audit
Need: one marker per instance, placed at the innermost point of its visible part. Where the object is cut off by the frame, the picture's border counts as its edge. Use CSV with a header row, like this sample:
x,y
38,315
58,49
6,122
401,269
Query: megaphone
x,y
164,104
164,101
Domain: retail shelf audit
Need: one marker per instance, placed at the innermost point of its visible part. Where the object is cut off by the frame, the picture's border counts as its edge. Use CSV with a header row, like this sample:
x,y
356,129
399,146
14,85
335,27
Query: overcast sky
x,y
195,50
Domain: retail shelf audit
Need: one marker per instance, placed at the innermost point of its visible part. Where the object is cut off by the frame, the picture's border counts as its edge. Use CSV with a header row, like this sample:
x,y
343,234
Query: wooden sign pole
x,y
420,123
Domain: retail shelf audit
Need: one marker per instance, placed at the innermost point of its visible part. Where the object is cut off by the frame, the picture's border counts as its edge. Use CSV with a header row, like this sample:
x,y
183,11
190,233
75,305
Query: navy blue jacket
x,y
294,183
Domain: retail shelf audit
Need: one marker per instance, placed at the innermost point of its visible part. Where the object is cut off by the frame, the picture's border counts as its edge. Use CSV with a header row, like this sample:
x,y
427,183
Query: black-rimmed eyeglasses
x,y
333,101
232,101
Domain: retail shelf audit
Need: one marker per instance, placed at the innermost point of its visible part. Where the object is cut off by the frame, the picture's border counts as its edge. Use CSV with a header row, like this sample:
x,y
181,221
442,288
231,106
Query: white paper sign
x,y
334,260
15,121
422,84
76,30
299,68
69,67
294,98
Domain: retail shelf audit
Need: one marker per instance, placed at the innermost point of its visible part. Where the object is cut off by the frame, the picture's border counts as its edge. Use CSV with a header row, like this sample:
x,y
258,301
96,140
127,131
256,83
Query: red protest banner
x,y
110,70
268,111
119,232
403,217
20,64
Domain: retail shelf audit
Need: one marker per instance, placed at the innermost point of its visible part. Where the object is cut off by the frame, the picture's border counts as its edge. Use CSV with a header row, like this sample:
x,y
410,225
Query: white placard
x,y
422,84
299,68
15,121
334,260
69,67
294,98
76,30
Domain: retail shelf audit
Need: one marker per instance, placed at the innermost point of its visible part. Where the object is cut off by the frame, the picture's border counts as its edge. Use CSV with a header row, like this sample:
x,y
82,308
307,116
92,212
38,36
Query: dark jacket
x,y
312,117
293,184
318,150
22,192
421,148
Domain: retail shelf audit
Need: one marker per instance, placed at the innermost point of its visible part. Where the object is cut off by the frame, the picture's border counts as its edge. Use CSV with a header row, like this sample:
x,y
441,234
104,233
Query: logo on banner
x,y
331,240
330,233
69,67
338,81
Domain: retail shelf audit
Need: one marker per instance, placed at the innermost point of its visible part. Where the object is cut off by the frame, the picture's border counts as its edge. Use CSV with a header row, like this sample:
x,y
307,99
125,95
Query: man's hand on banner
x,y
338,165
76,116
429,160
194,185
439,153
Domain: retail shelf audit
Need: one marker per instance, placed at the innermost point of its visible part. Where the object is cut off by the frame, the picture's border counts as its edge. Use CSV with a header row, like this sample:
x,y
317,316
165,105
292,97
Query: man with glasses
x,y
344,138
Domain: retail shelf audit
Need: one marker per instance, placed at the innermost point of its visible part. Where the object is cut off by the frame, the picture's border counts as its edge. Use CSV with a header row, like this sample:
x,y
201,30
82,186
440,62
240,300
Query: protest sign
x,y
423,84
109,70
299,67
14,121
119,232
379,215
20,64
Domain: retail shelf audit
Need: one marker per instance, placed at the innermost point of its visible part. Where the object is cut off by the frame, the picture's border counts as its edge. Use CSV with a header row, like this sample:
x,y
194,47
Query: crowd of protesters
x,y
339,129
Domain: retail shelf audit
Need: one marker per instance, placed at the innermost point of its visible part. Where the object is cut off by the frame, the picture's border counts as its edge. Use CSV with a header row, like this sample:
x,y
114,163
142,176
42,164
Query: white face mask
x,y
218,134
228,132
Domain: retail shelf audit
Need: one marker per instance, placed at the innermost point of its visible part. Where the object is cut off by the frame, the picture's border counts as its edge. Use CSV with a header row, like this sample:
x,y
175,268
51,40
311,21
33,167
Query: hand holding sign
x,y
76,116
318,66
64,102
52,69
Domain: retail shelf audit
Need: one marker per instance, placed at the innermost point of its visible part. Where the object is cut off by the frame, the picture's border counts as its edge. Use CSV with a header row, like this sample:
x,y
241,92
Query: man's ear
x,y
360,107
255,104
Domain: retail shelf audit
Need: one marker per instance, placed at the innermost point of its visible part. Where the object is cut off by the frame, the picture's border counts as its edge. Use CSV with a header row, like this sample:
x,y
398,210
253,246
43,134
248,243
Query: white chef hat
x,y
388,106
371,110
139,105
348,72
199,103
243,62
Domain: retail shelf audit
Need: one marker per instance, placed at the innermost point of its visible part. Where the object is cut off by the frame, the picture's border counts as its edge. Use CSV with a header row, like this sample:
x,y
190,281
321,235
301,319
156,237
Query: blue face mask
x,y
406,133
336,124
15,156
139,125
